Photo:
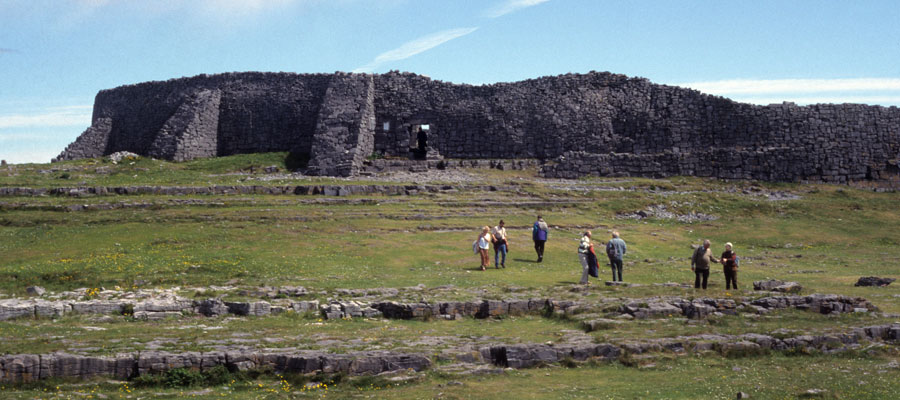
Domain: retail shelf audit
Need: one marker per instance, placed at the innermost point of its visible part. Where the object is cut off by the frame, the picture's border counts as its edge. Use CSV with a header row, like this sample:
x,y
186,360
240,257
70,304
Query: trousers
x,y
616,265
701,273
539,248
498,250
584,267
730,278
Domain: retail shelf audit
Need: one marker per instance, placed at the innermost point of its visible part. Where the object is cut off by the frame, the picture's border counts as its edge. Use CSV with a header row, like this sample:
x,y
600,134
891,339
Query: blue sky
x,y
55,55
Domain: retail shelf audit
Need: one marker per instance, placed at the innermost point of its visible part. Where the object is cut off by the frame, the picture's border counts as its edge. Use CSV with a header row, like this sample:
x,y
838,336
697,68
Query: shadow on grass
x,y
525,261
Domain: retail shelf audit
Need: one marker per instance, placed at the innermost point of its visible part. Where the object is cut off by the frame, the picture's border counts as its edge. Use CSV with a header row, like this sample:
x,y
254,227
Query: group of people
x,y
703,257
497,237
590,265
615,252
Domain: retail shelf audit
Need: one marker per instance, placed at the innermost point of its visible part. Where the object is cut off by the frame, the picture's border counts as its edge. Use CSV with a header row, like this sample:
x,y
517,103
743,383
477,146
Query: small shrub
x,y
569,362
186,377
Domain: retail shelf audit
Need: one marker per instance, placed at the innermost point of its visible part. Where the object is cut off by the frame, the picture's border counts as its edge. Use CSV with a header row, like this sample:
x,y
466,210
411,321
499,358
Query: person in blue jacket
x,y
539,236
615,250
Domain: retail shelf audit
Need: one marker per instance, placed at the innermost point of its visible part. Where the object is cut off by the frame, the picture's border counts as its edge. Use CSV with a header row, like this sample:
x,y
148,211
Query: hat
x,y
728,244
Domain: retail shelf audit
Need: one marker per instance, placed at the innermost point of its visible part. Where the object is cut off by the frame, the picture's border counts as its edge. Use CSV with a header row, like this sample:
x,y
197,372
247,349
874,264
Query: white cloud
x,y
414,47
883,91
509,6
220,11
51,117
30,156
241,6
824,99
750,86
22,137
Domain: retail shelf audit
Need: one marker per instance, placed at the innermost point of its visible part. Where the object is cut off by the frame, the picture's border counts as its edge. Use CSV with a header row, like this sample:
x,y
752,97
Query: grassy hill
x,y
230,245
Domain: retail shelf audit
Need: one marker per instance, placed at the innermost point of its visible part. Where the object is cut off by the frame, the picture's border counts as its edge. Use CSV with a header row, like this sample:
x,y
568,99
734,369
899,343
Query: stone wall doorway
x,y
418,140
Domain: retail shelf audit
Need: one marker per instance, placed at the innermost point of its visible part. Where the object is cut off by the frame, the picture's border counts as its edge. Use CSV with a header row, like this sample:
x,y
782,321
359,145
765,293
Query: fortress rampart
x,y
595,123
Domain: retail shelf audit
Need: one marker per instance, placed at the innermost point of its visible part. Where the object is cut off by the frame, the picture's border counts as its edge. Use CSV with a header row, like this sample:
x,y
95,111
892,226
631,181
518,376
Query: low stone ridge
x,y
459,309
348,309
324,190
595,123
775,285
704,307
754,343
370,167
659,307
873,281
820,303
24,368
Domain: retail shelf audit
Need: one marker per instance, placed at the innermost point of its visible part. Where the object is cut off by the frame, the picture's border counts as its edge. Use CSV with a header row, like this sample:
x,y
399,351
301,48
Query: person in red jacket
x,y
729,264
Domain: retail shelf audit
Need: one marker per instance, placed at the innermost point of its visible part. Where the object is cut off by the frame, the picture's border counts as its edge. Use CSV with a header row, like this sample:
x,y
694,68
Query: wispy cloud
x,y
824,99
7,51
414,47
217,11
749,86
30,155
509,6
51,117
884,91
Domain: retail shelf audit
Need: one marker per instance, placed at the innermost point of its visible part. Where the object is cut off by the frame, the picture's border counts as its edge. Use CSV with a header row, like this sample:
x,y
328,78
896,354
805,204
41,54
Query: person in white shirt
x,y
583,249
501,243
483,243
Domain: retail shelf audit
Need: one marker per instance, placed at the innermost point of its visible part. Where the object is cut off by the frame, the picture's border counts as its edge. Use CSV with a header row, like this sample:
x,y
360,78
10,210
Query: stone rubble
x,y
660,211
775,285
873,281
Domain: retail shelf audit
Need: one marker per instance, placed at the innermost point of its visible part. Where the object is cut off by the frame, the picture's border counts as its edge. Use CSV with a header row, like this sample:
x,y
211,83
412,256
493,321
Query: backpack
x,y
611,251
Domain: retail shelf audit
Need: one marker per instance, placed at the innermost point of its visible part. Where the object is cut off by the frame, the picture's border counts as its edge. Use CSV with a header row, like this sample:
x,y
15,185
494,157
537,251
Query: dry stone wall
x,y
344,135
595,123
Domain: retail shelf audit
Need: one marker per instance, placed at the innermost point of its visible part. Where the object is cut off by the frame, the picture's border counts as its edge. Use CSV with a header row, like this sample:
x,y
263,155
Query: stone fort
x,y
576,124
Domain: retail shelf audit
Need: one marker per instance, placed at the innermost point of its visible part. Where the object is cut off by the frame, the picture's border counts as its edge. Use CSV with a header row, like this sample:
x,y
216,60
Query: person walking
x,y
615,250
729,264
501,243
482,244
583,249
539,236
700,264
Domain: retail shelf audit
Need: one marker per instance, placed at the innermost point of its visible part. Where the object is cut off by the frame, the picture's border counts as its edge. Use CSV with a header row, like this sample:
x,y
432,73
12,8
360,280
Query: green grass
x,y
146,171
825,241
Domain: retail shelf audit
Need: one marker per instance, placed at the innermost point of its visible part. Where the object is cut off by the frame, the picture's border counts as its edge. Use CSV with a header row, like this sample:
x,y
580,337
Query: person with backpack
x,y
615,250
729,264
700,264
539,236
